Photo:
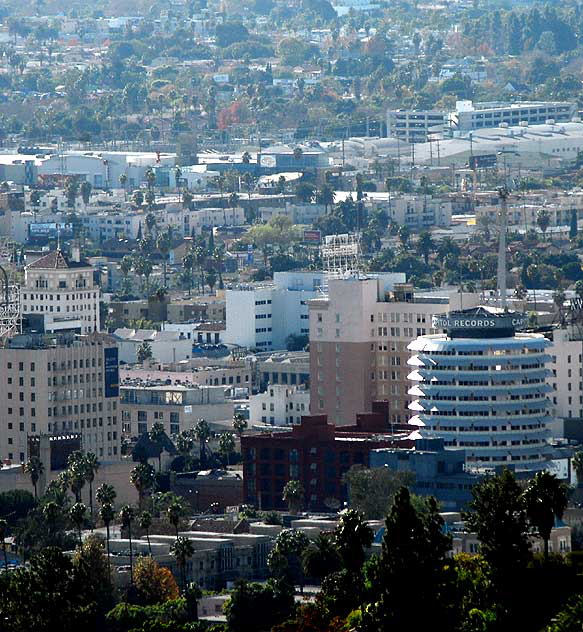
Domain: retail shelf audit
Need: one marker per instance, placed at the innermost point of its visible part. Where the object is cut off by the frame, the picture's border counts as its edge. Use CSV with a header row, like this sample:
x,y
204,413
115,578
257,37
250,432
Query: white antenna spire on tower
x,y
503,192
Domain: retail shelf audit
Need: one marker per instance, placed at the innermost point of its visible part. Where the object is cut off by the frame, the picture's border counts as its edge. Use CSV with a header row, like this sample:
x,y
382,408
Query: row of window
x,y
82,424
57,297
49,309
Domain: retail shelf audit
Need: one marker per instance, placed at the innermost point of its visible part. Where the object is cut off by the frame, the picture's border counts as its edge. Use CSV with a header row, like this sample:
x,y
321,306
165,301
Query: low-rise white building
x,y
198,333
113,224
198,219
167,346
298,213
177,407
279,405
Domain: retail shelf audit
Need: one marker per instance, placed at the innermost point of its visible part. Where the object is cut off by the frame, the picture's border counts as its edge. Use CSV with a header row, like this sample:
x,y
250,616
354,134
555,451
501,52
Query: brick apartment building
x,y
316,453
358,344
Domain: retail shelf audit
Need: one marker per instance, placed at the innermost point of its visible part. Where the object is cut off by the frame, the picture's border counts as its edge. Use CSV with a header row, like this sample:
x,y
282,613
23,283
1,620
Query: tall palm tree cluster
x,y
97,508
204,264
81,470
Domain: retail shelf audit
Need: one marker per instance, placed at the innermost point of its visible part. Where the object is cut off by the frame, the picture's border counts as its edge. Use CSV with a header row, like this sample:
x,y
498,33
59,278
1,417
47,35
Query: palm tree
x,y
145,522
545,499
188,264
202,432
35,468
144,352
532,274
77,479
86,192
105,494
143,478
543,219
293,495
150,222
139,266
126,266
3,533
521,294
239,423
107,514
200,258
404,234
226,445
425,245
325,196
123,180
211,279
156,436
164,245
51,513
91,467
186,198
147,269
577,463
321,557
150,198
127,515
249,182
280,186
219,182
35,201
60,486
150,178
138,198
183,443
233,201
219,259
174,512
77,515
182,550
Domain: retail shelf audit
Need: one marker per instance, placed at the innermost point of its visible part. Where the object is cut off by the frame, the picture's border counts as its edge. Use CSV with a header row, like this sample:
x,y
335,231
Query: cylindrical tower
x,y
482,387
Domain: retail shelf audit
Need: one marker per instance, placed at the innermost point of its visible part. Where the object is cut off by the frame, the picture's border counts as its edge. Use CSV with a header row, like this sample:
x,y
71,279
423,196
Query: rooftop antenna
x,y
503,192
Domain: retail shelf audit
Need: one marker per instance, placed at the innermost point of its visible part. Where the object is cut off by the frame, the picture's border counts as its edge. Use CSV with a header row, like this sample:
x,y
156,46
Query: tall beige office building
x,y
59,294
359,334
58,385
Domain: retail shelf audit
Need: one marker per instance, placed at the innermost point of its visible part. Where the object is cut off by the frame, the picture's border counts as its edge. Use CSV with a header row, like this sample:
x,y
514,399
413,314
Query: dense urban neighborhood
x,y
291,316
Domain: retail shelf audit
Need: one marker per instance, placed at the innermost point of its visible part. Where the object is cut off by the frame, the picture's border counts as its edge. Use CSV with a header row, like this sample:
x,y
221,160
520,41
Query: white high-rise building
x,y
483,387
263,316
